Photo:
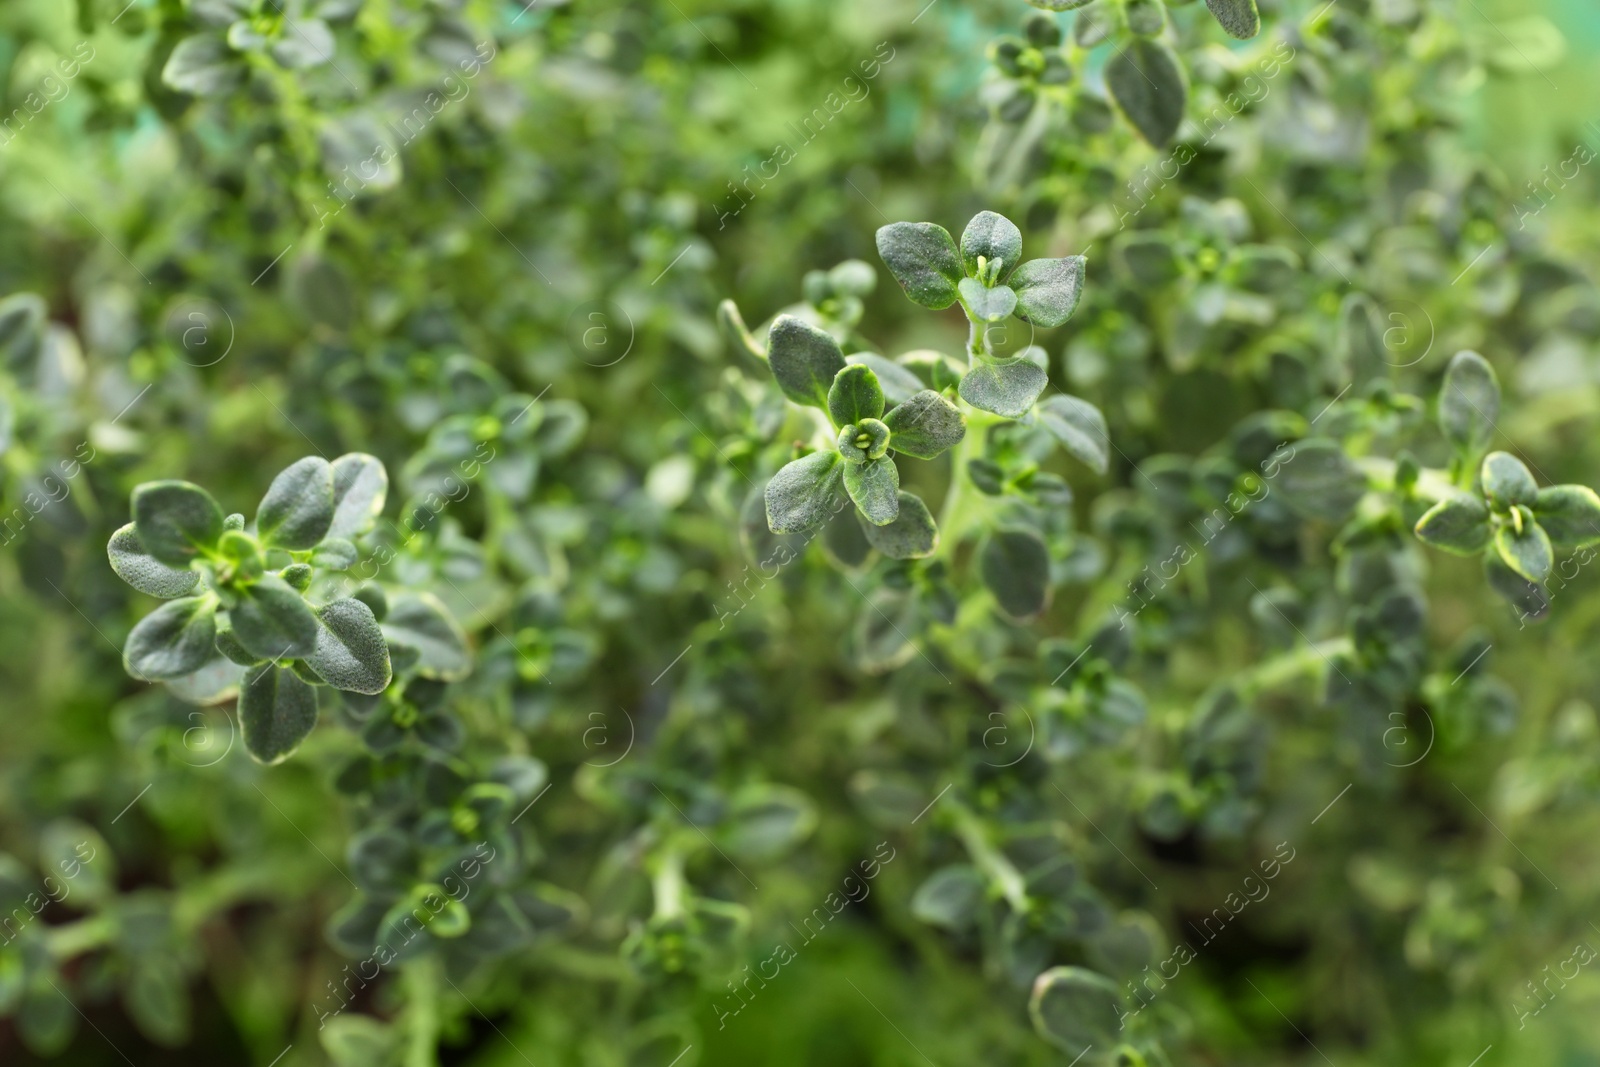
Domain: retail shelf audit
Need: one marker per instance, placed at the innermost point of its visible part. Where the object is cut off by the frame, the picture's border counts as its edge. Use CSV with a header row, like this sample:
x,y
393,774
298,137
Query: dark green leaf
x,y
855,395
1080,428
1319,481
875,488
1570,514
1149,257
273,621
896,381
173,640
922,257
298,508
925,425
1507,482
350,653
1016,568
1469,403
987,305
203,65
1048,290
1076,1009
1148,84
1239,17
805,493
804,360
1147,18
1007,389
912,535
419,621
950,898
992,236
1458,524
1528,552
843,540
175,521
276,712
1529,598
143,571
360,487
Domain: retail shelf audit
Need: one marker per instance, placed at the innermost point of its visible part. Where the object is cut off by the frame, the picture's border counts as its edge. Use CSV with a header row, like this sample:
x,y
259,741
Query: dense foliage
x,y
496,573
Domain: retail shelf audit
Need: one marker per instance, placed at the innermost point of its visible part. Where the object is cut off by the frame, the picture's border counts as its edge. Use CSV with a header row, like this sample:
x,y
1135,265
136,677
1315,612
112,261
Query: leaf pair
x,y
985,274
812,490
1523,522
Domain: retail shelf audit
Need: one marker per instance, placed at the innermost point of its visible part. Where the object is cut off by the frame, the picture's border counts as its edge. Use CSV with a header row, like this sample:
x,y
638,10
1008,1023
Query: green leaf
x,y
1570,514
896,381
1239,17
950,898
420,621
360,488
925,425
1080,428
855,395
350,653
143,571
987,305
176,638
175,521
922,257
1506,481
992,236
843,540
1457,524
805,493
1320,482
1148,84
1529,598
276,712
1076,1009
1528,553
1149,257
1147,18
203,65
804,360
1048,290
875,488
298,508
912,535
1015,565
1007,389
273,621
1469,403
1059,5
335,553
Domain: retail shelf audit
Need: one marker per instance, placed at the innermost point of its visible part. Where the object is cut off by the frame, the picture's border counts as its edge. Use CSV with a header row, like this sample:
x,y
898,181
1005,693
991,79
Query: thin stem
x,y
989,859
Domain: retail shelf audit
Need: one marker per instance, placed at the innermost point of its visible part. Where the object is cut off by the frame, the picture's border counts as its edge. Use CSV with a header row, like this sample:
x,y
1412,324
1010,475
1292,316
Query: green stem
x,y
988,858
422,993
668,886
1305,660
74,939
